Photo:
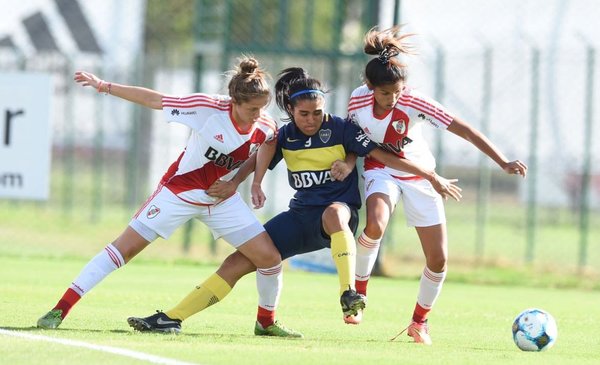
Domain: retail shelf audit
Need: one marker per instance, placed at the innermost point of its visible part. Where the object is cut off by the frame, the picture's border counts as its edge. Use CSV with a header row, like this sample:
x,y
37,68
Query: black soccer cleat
x,y
158,322
352,302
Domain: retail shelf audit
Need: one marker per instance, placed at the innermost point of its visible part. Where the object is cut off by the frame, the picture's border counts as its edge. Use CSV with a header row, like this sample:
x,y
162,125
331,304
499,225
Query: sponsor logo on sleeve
x,y
361,137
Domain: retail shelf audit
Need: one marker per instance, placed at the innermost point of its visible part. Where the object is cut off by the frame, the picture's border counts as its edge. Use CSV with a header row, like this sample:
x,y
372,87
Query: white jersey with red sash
x,y
399,131
216,147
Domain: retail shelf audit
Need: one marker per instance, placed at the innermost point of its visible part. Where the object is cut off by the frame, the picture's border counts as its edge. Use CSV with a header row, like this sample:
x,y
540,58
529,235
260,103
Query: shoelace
x,y
404,330
281,326
401,332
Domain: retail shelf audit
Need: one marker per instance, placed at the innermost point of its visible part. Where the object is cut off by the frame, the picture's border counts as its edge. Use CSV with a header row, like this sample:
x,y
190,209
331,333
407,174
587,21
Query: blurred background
x,y
522,71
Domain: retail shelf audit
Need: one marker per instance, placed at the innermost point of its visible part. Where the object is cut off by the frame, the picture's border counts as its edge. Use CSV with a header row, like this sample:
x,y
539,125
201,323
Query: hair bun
x,y
248,65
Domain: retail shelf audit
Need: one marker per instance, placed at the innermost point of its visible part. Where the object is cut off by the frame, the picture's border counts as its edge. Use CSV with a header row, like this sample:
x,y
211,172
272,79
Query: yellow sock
x,y
343,251
213,290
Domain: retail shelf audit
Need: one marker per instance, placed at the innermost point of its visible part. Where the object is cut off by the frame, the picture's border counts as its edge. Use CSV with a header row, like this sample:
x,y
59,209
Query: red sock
x,y
68,300
265,317
420,314
361,286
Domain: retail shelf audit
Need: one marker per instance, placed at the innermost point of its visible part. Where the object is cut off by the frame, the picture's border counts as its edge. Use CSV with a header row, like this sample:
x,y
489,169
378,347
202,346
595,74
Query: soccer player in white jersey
x,y
322,213
392,115
225,132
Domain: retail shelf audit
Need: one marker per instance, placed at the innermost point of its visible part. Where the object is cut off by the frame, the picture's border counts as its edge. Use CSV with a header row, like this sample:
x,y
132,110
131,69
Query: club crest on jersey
x,y
152,212
399,126
324,135
253,148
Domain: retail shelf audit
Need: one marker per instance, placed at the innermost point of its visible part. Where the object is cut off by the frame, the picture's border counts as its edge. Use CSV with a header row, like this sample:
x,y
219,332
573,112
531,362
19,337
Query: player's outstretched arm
x,y
139,95
265,153
479,140
445,187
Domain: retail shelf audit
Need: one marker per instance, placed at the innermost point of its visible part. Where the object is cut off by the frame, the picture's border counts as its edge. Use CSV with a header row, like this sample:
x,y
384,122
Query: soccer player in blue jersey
x,y
323,212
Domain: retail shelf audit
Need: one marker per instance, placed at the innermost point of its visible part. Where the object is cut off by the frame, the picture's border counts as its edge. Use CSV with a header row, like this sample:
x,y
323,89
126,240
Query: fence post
x,y
584,206
440,92
533,168
483,191
98,160
69,143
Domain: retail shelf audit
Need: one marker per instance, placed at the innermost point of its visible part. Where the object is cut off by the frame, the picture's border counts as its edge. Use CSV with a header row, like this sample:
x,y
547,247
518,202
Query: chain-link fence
x,y
523,72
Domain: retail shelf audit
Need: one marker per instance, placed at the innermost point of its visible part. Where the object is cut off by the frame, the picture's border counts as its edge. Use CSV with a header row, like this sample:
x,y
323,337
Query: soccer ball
x,y
534,330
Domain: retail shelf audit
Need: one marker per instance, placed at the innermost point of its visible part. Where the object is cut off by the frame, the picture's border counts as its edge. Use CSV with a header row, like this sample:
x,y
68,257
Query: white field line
x,y
113,350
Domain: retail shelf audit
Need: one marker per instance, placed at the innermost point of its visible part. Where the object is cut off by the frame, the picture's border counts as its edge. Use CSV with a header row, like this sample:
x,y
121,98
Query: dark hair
x,y
248,81
386,68
292,82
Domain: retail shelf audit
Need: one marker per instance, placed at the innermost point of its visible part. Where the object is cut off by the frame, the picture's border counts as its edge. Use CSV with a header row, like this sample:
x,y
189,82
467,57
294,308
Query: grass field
x,y
470,325
43,247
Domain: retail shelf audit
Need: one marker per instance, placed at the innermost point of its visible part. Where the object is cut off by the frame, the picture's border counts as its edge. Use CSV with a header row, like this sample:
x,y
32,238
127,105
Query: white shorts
x,y
423,206
164,212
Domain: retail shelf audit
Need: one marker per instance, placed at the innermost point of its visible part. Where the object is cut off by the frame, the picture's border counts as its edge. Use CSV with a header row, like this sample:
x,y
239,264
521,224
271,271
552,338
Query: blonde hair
x,y
248,81
387,44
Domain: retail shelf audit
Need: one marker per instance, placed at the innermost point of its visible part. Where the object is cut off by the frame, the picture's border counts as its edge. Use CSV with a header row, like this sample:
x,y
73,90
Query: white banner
x,y
25,150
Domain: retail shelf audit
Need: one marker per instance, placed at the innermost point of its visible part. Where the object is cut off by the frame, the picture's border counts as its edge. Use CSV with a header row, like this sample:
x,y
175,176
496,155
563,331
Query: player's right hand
x,y
87,79
446,187
221,189
258,196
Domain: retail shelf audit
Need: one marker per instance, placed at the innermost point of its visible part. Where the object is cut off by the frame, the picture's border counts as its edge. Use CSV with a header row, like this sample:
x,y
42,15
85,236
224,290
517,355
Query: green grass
x,y
44,246
471,324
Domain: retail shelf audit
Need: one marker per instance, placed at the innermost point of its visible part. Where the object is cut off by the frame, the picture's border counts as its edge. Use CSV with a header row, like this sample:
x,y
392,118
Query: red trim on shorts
x,y
196,204
158,189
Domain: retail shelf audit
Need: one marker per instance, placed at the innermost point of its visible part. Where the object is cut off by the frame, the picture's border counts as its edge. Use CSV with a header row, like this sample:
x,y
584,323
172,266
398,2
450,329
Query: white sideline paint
x,y
113,350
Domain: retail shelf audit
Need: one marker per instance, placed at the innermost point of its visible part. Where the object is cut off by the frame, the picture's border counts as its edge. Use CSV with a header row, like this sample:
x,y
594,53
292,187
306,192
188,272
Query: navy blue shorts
x,y
300,230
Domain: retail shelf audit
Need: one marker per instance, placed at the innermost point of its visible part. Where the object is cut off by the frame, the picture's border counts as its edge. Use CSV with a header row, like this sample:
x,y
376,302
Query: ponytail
x,y
387,44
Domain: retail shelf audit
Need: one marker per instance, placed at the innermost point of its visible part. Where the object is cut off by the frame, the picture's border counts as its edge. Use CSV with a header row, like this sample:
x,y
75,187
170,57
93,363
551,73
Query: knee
x,y
273,257
335,217
375,227
268,258
234,267
437,263
236,262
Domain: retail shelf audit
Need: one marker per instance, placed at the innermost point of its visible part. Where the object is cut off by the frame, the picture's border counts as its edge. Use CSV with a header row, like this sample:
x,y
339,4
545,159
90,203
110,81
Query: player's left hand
x,y
221,189
515,168
340,170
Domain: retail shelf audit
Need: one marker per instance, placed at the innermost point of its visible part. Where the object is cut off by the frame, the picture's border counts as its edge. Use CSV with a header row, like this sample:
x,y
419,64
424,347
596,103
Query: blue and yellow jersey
x,y
309,161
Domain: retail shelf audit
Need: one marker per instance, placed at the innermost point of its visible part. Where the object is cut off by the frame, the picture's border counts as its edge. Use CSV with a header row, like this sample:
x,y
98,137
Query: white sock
x,y
430,287
105,262
269,282
366,255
